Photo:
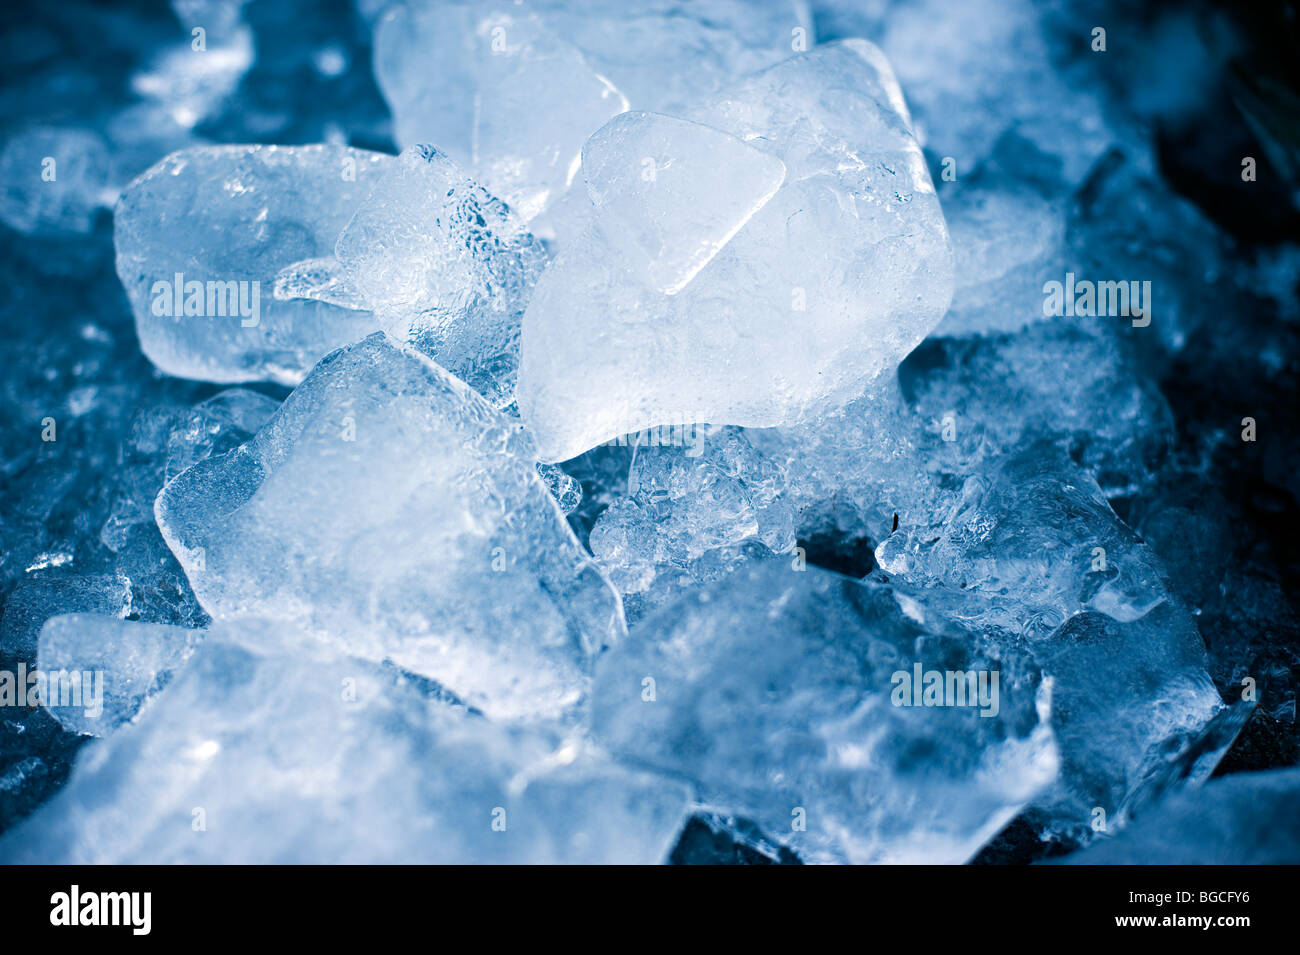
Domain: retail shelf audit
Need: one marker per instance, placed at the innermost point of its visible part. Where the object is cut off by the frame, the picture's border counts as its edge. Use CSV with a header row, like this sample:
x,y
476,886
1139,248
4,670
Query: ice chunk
x,y
34,601
387,506
55,180
669,194
440,262
200,238
828,285
778,693
1244,819
273,748
508,98
966,100
1037,538
117,666
1033,556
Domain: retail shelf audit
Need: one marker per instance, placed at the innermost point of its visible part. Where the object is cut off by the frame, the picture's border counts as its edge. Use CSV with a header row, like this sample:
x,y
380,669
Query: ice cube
x,y
200,239
828,285
388,507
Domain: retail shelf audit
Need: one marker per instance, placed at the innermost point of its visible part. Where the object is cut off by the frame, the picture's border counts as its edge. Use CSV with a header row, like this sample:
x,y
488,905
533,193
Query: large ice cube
x,y
200,238
272,747
387,506
776,691
829,284
440,262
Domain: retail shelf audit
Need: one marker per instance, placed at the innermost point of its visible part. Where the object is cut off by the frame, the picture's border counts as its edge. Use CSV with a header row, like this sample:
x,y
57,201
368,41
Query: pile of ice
x,y
606,486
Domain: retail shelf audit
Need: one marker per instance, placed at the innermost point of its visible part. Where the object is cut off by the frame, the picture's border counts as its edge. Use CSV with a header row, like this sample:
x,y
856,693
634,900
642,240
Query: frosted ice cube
x,y
200,238
776,692
669,193
272,747
388,507
126,662
827,286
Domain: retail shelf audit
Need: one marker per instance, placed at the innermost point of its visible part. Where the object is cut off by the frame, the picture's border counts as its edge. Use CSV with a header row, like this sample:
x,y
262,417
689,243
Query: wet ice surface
x,y
758,468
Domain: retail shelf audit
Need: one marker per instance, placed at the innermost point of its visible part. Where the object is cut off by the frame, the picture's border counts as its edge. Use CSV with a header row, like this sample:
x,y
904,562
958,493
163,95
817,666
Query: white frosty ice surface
x,y
440,262
775,692
271,747
211,227
116,665
669,194
388,507
837,277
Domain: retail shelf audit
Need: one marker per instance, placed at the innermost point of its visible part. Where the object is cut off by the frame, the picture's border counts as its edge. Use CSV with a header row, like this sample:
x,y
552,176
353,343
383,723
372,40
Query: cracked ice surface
x,y
1034,555
771,691
392,510
267,731
766,333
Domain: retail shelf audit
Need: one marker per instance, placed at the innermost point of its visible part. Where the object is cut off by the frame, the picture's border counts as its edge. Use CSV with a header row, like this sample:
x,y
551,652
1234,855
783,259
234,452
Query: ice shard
x,y
829,284
388,507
